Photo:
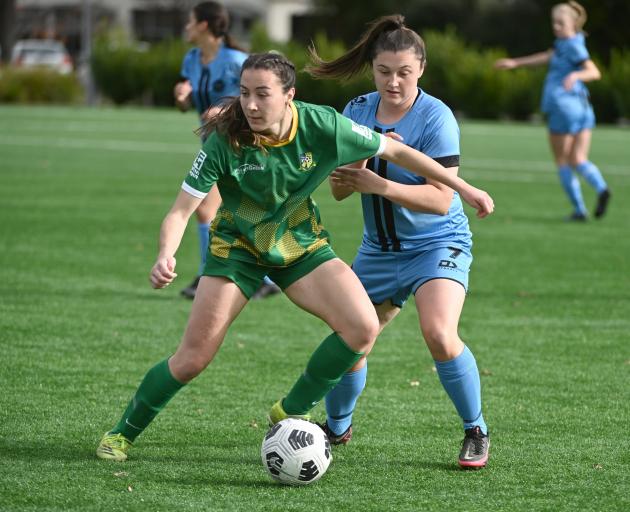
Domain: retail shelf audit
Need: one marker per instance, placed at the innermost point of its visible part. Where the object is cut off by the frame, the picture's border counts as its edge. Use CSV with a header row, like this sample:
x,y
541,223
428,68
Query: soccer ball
x,y
296,452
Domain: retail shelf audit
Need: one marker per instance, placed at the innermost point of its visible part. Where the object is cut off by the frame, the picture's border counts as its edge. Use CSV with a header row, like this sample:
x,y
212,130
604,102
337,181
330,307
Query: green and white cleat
x,y
277,414
113,447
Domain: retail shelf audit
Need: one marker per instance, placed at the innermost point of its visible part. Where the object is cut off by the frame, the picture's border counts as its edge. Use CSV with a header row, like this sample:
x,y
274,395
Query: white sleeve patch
x,y
196,166
193,191
361,130
381,145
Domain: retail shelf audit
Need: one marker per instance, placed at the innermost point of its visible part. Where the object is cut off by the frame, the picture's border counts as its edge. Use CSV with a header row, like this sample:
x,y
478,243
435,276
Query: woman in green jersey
x,y
267,154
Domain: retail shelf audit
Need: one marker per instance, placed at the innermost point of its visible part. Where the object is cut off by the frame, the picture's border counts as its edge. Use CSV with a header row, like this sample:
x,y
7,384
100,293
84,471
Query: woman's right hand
x,y
181,93
505,64
163,272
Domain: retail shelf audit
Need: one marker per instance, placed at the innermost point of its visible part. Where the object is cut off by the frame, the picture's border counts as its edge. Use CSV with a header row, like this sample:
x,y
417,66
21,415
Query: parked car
x,y
42,52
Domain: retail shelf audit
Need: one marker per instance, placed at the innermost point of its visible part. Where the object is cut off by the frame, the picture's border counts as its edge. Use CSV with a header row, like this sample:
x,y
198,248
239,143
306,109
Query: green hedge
x,y
128,73
461,75
38,86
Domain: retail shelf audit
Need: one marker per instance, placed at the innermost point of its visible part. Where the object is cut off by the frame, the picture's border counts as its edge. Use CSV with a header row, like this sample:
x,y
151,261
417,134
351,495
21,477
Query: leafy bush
x,y
619,76
38,86
459,74
127,72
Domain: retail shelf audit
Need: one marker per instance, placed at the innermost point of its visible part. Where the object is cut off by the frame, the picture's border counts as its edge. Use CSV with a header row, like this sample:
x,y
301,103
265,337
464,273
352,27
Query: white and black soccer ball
x,y
296,452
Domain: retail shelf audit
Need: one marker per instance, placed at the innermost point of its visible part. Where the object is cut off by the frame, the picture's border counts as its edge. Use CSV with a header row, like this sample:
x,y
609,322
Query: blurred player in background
x,y
565,102
416,238
268,153
209,75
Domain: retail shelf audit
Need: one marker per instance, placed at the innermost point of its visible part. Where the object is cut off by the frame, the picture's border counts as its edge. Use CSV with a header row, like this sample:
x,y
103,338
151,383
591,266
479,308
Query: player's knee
x,y
438,337
360,336
185,367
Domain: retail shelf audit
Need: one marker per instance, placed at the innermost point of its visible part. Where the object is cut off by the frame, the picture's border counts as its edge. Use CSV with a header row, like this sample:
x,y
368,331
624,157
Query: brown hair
x,y
231,121
387,33
218,19
575,10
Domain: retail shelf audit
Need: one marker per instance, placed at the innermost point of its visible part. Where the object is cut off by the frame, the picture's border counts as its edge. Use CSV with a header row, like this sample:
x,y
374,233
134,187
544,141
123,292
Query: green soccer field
x,y
82,195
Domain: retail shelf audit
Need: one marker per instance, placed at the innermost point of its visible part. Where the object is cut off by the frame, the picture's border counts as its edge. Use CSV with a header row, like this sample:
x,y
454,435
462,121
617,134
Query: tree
x,y
7,24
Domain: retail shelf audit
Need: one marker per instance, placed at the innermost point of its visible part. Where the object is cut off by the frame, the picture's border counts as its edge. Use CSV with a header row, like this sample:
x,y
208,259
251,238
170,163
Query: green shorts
x,y
249,276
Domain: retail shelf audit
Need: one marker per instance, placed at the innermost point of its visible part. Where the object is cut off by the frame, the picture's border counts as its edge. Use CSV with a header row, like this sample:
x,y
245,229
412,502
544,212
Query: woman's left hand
x,y
478,199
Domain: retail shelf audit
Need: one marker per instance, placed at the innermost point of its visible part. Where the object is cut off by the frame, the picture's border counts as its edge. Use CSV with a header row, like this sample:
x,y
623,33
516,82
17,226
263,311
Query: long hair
x,y
218,19
387,33
575,10
231,121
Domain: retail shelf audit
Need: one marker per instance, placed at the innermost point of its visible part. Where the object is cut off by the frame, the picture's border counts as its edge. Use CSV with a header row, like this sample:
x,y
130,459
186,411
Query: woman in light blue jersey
x,y
209,75
416,238
566,104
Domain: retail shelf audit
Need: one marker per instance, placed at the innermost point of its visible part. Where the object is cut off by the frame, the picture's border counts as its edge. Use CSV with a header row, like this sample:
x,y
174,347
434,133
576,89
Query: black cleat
x,y
334,438
602,204
475,448
191,289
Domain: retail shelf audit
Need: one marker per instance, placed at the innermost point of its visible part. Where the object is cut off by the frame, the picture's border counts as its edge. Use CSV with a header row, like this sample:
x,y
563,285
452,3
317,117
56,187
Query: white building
x,y
148,20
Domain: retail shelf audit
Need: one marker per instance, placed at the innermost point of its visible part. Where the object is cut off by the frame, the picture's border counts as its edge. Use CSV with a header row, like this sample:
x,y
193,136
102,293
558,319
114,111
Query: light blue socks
x,y
460,378
341,400
571,186
592,175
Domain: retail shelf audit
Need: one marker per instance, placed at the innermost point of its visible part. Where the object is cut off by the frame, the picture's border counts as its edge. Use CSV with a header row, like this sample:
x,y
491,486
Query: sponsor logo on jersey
x,y
196,166
245,168
358,100
306,161
362,130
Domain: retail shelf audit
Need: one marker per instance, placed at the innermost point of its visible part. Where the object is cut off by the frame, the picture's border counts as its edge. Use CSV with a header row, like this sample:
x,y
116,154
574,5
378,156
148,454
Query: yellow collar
x,y
294,127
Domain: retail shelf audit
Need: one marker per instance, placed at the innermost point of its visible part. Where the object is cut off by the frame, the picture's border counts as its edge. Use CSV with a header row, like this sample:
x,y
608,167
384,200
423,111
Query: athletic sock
x,y
324,370
592,175
154,392
460,378
571,186
204,238
341,400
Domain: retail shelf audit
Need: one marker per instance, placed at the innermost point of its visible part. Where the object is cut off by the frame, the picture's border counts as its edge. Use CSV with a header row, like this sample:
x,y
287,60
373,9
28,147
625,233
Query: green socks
x,y
328,364
154,392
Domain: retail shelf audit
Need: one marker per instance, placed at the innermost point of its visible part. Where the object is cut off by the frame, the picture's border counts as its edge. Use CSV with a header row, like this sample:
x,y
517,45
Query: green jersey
x,y
267,215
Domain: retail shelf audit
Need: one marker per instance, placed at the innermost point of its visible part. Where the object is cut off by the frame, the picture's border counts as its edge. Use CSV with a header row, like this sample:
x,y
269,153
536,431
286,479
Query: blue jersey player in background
x,y
416,239
565,102
210,74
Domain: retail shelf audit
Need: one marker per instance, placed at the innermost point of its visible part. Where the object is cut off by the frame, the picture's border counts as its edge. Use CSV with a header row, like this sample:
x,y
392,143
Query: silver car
x,y
42,52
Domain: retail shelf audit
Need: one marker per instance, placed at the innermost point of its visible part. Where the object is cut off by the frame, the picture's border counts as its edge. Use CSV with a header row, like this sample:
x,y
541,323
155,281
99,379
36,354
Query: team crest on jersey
x,y
196,166
306,161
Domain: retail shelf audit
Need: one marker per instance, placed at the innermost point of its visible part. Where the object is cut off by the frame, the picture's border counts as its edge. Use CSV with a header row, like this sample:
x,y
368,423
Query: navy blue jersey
x,y
568,55
218,79
429,127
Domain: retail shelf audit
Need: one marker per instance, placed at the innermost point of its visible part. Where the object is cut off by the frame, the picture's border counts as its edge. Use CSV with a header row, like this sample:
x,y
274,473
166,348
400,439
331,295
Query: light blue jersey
x,y
218,79
568,55
429,127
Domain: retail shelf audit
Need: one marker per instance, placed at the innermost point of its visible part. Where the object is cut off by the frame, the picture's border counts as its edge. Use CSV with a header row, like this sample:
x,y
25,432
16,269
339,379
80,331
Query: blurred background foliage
x,y
459,66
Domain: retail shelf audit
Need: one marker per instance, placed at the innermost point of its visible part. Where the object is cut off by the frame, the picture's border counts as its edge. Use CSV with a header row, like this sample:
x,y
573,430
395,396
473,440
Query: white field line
x,y
100,144
485,168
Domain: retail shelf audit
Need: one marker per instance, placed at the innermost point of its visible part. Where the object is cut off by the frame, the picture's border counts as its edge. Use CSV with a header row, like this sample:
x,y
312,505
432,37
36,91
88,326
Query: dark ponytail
x,y
218,19
387,33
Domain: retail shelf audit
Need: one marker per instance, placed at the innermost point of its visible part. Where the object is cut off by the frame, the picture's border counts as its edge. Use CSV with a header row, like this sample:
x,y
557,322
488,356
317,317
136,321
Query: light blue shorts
x,y
396,275
570,115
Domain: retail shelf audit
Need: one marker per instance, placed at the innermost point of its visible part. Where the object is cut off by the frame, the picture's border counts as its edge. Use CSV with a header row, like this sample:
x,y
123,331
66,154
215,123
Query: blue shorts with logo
x,y
396,275
570,115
